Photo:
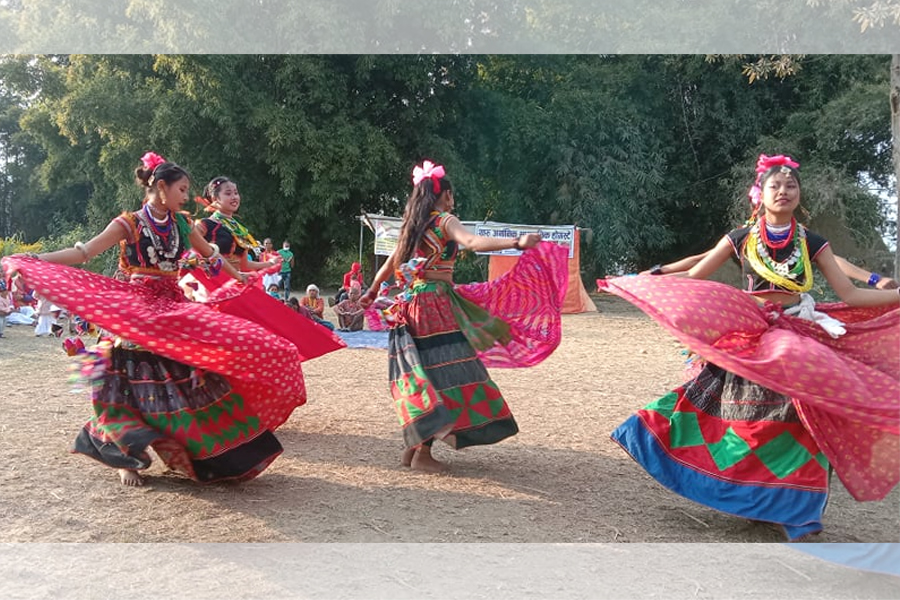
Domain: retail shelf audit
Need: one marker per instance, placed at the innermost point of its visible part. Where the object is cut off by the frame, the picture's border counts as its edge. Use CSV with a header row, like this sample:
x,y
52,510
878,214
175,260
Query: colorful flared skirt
x,y
727,443
446,335
192,419
204,384
845,392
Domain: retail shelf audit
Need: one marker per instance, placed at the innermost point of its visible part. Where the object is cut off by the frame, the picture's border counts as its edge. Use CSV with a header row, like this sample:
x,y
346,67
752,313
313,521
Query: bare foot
x,y
130,477
423,461
407,456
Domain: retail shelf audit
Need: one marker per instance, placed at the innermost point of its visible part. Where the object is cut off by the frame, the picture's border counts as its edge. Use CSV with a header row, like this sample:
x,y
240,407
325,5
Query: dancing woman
x,y
789,388
203,388
222,199
446,334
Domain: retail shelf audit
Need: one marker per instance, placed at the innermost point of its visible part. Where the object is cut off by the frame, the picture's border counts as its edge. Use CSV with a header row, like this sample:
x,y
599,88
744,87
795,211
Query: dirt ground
x,y
560,480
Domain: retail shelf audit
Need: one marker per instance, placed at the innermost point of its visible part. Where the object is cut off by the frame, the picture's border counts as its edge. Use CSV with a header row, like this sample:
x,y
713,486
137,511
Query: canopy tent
x,y
387,231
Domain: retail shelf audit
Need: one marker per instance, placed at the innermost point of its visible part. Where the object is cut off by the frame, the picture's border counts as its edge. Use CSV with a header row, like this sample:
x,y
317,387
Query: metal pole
x,y
360,241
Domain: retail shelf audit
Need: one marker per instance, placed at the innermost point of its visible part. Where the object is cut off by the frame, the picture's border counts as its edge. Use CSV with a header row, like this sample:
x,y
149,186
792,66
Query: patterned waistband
x,y
137,273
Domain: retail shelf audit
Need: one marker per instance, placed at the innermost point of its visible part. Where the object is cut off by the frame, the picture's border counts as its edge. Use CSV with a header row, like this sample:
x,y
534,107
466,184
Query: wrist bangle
x,y
516,245
656,270
80,247
215,252
874,278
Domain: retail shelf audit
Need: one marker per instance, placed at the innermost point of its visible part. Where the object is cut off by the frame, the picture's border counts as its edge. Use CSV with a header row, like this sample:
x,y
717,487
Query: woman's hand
x,y
886,283
367,299
529,240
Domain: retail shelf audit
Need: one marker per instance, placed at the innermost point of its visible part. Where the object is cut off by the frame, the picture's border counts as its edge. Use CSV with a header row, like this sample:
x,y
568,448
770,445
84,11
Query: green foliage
x,y
471,267
14,244
337,263
653,154
65,234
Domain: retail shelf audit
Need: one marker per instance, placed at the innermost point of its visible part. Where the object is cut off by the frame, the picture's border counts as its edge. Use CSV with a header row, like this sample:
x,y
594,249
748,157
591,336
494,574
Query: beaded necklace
x,y
784,273
778,236
165,242
161,227
238,231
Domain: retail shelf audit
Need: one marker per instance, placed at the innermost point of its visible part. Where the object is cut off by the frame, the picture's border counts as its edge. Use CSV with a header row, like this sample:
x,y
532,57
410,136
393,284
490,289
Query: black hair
x,y
777,169
167,171
211,190
417,216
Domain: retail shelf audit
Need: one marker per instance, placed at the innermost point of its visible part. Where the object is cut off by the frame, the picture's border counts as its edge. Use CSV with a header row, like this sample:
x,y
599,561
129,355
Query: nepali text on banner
x,y
387,232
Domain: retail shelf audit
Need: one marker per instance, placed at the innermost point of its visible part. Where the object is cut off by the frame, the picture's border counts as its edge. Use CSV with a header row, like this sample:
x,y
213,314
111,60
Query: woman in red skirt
x,y
201,386
790,388
446,334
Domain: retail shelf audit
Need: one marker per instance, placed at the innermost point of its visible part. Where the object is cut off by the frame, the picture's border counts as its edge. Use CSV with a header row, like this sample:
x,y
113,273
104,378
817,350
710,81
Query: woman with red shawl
x,y
203,384
354,275
790,387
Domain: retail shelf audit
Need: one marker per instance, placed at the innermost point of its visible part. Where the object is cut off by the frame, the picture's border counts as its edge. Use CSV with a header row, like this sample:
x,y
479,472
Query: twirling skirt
x,y
448,334
203,387
755,440
197,424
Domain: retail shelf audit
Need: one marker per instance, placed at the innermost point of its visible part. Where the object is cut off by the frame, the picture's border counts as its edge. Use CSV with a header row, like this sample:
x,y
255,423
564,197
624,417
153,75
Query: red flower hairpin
x,y
151,160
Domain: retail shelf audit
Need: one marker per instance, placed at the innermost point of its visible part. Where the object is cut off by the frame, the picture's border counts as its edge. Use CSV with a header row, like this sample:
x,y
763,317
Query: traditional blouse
x,y
150,248
435,247
219,234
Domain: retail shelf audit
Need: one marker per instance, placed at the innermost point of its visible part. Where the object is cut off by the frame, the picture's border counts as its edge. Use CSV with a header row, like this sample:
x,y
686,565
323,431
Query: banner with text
x,y
387,232
564,235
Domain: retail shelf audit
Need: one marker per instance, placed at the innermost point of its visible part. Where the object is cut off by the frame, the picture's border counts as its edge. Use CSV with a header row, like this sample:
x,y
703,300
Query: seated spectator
x,y
354,275
82,327
315,306
273,291
294,304
350,313
313,302
21,295
45,310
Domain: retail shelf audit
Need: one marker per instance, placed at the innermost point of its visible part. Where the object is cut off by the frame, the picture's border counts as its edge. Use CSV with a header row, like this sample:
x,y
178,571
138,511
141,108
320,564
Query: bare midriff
x,y
785,299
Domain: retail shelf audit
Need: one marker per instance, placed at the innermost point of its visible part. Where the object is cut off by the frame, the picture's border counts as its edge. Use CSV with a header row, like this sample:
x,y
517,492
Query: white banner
x,y
564,235
387,232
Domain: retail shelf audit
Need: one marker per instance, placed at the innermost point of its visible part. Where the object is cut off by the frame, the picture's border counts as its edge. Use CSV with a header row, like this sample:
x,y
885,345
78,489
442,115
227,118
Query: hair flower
x,y
764,163
151,160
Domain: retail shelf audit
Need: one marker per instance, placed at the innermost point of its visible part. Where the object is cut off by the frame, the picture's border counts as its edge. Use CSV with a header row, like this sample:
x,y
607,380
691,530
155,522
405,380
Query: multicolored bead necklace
x,y
786,273
776,236
163,226
165,241
238,231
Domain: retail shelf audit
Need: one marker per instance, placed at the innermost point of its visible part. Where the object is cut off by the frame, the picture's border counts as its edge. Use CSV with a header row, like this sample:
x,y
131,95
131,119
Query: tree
x,y
640,149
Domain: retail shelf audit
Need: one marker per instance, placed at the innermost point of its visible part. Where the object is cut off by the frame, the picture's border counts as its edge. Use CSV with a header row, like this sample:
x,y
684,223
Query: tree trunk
x,y
895,134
